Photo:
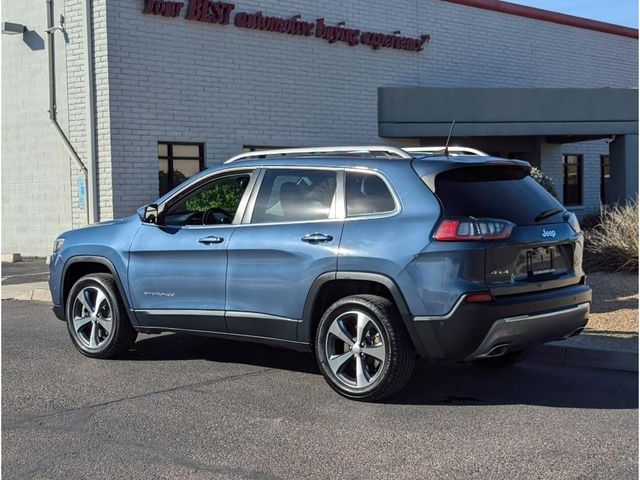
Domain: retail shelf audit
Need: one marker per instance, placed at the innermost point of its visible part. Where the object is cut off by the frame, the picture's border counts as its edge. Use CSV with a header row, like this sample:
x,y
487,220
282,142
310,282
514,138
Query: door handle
x,y
317,238
211,240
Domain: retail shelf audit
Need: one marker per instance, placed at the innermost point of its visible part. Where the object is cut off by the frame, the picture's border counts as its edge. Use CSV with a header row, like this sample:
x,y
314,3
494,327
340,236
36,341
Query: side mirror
x,y
149,213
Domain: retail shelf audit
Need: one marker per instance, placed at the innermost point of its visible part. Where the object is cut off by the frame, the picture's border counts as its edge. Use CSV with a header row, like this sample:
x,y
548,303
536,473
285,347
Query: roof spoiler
x,y
429,170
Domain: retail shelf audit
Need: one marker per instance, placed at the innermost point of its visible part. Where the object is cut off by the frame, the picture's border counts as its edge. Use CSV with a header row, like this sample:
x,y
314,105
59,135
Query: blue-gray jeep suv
x,y
366,261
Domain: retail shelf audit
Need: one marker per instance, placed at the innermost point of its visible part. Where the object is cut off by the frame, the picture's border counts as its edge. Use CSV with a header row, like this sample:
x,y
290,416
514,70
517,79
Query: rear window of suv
x,y
502,192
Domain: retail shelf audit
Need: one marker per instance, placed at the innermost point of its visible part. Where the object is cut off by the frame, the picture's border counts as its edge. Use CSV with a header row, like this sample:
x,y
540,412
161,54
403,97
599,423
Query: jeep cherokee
x,y
367,256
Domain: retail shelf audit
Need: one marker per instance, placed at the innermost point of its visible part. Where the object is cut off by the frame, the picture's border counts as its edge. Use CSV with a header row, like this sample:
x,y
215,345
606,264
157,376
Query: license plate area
x,y
540,260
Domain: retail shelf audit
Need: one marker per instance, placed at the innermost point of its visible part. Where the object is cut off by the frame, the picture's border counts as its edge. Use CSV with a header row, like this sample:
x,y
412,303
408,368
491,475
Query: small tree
x,y
544,180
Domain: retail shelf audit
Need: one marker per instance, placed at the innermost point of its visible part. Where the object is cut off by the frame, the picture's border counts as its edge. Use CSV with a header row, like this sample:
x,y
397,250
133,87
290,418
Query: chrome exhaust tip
x,y
497,351
576,332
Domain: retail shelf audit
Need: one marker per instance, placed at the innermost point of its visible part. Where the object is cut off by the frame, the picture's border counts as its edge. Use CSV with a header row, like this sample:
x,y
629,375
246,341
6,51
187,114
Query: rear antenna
x,y
446,146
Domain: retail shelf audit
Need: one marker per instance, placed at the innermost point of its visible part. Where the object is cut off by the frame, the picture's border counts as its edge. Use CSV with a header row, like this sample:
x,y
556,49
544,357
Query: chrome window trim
x,y
297,222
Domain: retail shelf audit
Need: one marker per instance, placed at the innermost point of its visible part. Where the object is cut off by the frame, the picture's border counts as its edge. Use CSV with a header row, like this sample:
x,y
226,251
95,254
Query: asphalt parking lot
x,y
198,408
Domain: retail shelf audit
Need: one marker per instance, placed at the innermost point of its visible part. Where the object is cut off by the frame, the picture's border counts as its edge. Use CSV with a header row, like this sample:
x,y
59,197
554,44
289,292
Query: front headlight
x,y
57,245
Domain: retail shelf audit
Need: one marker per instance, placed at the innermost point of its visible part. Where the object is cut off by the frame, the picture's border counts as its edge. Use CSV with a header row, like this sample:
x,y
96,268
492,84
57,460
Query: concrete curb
x,y
38,291
576,356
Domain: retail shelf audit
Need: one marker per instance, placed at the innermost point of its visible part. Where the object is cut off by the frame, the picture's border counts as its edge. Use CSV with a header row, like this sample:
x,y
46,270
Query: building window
x,y
604,178
178,162
572,181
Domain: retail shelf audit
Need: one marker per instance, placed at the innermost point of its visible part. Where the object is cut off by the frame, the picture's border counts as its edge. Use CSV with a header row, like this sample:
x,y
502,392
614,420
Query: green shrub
x,y
612,245
221,195
544,180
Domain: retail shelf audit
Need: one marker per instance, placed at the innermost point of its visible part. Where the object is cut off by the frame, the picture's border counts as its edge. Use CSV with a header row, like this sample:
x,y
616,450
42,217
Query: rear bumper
x,y
477,330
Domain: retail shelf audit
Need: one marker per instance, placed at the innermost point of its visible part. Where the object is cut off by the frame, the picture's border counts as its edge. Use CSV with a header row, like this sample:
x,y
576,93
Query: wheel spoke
x,y
363,320
85,300
376,351
100,297
105,323
337,361
79,322
361,377
339,331
93,336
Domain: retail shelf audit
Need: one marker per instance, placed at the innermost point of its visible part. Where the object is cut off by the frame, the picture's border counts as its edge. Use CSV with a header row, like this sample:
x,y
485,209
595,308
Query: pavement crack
x,y
189,386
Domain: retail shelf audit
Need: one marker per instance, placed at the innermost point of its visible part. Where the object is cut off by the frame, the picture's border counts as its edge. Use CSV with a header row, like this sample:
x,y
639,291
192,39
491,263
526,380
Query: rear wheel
x,y
362,348
503,361
97,320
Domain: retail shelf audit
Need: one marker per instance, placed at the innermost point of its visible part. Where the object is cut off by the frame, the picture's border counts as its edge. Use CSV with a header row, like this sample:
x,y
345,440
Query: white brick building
x,y
128,82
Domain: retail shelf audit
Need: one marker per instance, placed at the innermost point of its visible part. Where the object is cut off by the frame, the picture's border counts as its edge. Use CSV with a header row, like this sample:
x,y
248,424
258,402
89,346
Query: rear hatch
x,y
544,248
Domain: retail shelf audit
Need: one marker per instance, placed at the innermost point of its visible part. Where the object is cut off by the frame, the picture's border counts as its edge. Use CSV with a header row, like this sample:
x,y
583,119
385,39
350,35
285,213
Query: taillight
x,y
463,229
572,220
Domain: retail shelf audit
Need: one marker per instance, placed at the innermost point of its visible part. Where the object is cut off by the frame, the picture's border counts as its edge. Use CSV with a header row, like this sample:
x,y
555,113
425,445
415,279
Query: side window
x,y
367,194
295,195
213,203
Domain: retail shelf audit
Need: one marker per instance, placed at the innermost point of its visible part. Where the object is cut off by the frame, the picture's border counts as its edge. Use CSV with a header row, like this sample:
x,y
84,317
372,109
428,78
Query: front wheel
x,y
363,349
97,320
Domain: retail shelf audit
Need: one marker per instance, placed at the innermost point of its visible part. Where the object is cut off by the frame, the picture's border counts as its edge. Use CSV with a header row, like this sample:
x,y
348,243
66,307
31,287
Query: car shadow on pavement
x,y
437,383
176,346
527,383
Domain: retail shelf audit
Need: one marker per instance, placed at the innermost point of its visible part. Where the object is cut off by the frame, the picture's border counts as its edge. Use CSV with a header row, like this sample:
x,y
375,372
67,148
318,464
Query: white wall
x,y
175,79
172,79
36,180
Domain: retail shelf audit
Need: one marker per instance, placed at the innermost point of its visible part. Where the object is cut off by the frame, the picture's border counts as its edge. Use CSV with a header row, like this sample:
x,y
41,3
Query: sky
x,y
620,12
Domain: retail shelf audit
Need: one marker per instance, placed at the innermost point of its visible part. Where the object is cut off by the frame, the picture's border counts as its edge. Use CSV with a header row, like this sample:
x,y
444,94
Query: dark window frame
x,y
604,165
170,159
580,185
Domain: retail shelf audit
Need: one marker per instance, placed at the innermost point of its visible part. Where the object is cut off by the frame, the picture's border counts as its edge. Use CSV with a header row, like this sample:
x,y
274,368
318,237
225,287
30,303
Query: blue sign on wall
x,y
82,193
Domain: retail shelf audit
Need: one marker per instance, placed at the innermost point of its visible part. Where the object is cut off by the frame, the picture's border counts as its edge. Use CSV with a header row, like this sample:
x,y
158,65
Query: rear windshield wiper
x,y
547,214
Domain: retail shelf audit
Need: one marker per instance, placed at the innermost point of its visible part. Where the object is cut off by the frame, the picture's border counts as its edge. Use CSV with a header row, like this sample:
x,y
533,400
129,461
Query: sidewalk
x,y
26,280
593,348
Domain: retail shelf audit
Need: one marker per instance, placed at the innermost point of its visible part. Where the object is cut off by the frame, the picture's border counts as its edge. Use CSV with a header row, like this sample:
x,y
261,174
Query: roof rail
x,y
452,150
348,150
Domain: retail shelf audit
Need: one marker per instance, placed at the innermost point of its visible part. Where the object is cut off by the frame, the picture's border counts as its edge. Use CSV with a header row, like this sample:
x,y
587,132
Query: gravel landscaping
x,y
615,302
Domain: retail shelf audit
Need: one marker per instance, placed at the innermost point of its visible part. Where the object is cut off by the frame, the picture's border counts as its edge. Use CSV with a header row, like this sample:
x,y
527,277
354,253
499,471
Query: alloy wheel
x,y
92,317
355,349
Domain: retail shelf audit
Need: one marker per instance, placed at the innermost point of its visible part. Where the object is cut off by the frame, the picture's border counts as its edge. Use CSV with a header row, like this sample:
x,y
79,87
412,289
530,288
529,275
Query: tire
x,y
386,361
507,360
93,334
